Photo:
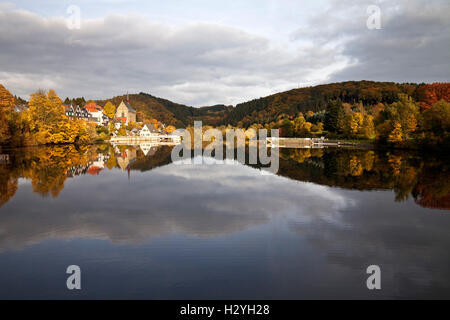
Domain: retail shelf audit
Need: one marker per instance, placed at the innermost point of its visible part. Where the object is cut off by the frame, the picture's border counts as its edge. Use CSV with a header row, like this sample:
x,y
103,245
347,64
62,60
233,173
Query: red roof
x,y
92,107
94,170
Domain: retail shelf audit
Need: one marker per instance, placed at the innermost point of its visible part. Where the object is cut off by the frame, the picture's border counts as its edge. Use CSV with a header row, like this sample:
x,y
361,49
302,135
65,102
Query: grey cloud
x,y
196,64
413,44
206,63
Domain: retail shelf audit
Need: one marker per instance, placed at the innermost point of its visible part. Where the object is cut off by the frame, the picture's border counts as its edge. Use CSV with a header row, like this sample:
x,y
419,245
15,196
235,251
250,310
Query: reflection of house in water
x,y
149,149
77,170
100,161
93,167
98,164
126,158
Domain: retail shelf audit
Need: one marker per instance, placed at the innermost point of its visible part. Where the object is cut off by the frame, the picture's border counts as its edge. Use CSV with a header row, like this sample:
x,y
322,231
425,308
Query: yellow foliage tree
x,y
170,129
396,135
49,124
6,104
368,128
355,122
109,110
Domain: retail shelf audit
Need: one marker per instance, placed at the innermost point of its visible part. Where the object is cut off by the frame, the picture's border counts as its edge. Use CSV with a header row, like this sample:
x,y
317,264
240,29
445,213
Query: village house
x,y
125,113
96,114
148,130
148,149
77,113
69,111
20,108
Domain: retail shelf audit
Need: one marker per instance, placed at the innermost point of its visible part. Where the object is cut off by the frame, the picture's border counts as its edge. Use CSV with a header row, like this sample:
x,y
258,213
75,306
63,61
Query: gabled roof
x,y
20,107
150,128
67,107
94,170
93,107
127,104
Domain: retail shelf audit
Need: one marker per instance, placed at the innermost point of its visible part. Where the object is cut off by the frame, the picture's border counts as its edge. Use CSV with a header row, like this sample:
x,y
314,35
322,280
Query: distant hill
x,y
267,109
315,98
169,112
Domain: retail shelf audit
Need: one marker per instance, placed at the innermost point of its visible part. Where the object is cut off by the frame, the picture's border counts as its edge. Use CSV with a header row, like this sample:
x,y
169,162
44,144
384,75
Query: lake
x,y
140,226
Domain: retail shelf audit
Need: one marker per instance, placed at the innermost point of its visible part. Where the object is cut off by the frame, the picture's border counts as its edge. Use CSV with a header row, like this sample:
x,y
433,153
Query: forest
x,y
406,115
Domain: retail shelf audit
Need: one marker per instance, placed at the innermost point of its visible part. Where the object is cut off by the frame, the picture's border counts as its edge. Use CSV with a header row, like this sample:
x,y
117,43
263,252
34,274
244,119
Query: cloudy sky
x,y
205,52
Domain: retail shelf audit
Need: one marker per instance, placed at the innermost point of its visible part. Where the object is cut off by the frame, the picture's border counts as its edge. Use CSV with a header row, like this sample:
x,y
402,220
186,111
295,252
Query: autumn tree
x,y
287,128
49,124
298,124
109,110
122,131
368,128
396,136
437,118
353,124
403,114
170,129
429,94
6,104
436,123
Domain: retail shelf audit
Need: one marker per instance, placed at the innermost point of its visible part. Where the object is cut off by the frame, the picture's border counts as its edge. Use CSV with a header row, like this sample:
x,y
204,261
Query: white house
x,y
148,130
96,113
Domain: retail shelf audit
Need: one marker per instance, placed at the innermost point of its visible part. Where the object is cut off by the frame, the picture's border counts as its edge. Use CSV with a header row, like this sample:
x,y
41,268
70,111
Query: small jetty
x,y
280,142
159,139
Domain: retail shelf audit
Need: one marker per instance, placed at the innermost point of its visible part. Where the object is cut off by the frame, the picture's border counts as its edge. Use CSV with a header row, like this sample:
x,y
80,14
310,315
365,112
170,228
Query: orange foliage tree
x,y
429,94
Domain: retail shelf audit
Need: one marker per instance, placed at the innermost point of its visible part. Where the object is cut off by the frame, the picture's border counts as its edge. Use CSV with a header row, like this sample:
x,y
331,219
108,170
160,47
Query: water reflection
x,y
251,235
424,177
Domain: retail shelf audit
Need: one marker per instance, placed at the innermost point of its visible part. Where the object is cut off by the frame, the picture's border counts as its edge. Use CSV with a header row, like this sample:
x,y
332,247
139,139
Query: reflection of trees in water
x,y
8,184
49,167
433,187
46,167
426,177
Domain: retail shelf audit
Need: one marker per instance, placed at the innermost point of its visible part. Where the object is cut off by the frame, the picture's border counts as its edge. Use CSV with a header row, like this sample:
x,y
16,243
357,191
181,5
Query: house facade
x,y
78,113
96,114
125,113
68,110
148,130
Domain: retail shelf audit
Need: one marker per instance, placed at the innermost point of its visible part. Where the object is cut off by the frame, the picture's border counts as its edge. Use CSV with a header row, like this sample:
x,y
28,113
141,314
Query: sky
x,y
216,52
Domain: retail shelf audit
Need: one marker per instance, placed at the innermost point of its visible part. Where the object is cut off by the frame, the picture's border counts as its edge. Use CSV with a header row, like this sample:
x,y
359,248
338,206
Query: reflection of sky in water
x,y
219,231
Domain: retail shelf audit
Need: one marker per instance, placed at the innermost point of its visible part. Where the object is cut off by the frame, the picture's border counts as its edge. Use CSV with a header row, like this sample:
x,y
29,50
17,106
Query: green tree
x,y
287,128
437,118
333,116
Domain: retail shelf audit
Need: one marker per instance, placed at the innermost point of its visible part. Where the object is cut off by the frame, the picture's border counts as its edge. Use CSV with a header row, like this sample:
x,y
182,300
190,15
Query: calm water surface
x,y
140,226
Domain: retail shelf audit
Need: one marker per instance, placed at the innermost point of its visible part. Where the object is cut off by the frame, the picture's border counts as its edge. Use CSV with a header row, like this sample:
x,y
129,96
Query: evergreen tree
x,y
333,115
